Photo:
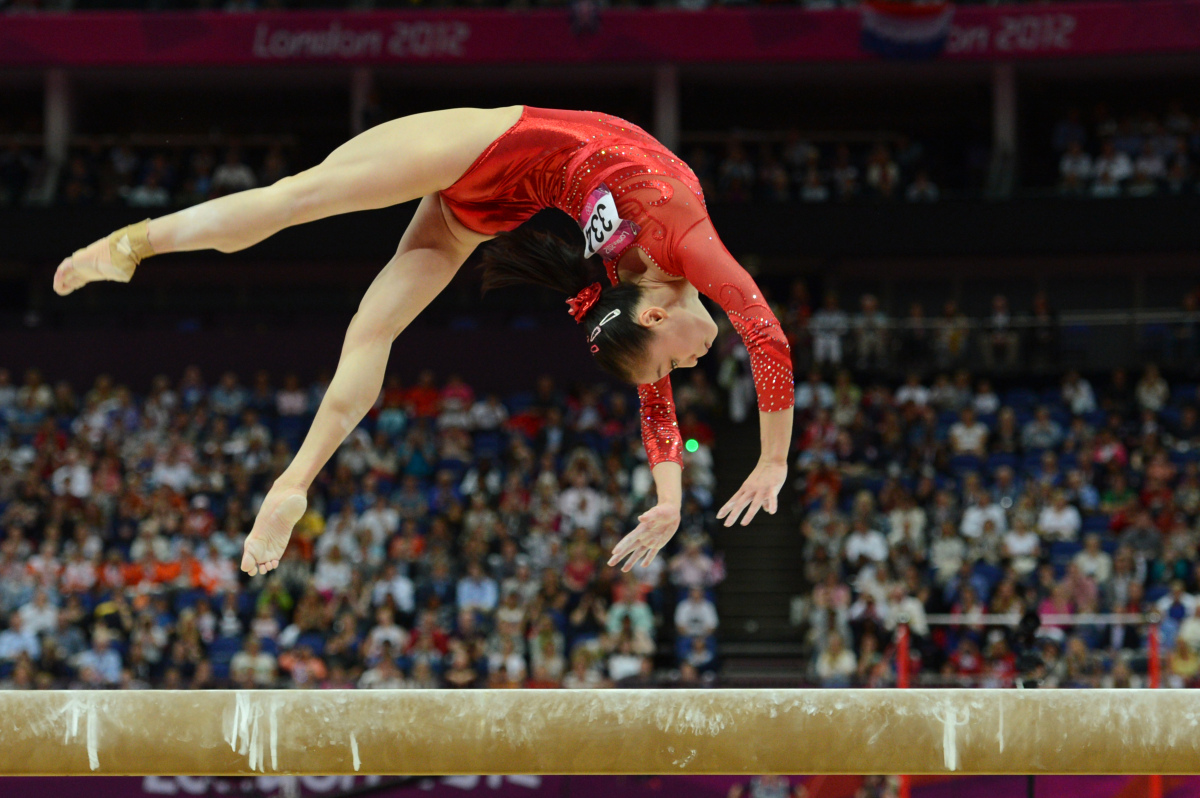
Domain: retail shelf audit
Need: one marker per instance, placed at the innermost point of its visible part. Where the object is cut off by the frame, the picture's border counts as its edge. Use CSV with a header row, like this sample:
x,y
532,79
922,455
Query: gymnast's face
x,y
683,333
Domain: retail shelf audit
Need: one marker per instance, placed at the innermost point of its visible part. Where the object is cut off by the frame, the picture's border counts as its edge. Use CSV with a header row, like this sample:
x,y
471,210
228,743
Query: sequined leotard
x,y
556,159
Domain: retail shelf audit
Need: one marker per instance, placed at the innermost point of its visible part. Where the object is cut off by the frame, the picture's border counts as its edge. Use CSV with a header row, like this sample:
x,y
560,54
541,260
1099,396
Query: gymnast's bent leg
x,y
433,248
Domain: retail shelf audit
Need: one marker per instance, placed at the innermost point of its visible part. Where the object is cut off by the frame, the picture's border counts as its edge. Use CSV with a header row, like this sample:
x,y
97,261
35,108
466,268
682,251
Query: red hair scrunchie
x,y
582,302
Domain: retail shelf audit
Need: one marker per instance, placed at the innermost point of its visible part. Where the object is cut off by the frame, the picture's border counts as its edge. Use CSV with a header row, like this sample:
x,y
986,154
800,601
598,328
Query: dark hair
x,y
540,258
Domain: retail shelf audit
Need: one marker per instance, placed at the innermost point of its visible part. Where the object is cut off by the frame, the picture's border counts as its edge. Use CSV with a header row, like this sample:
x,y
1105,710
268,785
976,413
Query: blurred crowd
x,y
949,496
156,177
456,539
799,170
864,337
142,176
1140,155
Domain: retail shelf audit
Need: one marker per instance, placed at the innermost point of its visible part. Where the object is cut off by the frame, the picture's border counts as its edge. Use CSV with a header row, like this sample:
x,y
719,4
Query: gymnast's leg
x,y
397,161
433,248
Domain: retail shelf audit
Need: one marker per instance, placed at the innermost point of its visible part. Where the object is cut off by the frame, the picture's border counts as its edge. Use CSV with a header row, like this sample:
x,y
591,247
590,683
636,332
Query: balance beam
x,y
481,732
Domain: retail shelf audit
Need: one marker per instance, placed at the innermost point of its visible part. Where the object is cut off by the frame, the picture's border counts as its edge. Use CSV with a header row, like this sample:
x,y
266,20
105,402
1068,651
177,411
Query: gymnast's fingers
x,y
755,506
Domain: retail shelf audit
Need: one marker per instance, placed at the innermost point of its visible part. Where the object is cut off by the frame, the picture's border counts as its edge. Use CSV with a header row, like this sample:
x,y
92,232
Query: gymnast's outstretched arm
x,y
433,248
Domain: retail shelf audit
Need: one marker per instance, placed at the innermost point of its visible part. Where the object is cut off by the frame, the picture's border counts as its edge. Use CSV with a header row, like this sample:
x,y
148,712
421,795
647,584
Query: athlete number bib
x,y
604,232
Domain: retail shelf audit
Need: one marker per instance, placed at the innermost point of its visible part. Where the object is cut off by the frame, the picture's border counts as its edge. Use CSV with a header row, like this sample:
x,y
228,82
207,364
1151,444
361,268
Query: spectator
x,y
1152,390
1077,394
476,590
1059,520
883,174
968,435
1074,169
870,327
828,326
233,175
695,616
17,641
1000,342
951,336
922,189
836,664
1042,432
1110,170
101,659
252,665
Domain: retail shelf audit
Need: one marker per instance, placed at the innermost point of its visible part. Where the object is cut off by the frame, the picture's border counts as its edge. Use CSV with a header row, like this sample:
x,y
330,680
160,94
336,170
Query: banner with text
x,y
621,36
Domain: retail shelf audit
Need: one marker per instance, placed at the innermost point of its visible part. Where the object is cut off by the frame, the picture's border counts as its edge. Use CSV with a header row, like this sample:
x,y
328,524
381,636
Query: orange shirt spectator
x,y
303,666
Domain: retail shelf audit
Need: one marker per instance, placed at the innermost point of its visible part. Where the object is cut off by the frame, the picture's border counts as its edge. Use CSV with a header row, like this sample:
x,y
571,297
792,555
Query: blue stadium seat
x,y
221,652
1021,399
314,640
1096,523
962,464
1062,552
1000,459
1156,592
519,402
1184,394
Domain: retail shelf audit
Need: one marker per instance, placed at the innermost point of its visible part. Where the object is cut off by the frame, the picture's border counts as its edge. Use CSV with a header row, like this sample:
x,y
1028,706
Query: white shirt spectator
x,y
332,575
73,478
912,394
488,415
1077,166
1060,523
383,522
947,554
261,666
828,326
867,543
582,507
621,666
1079,396
173,473
39,616
400,588
231,177
696,618
1022,543
391,633
810,396
1115,167
839,666
1097,564
969,438
976,516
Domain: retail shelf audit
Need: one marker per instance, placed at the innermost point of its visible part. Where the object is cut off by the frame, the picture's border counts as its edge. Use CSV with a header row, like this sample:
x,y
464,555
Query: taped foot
x,y
114,258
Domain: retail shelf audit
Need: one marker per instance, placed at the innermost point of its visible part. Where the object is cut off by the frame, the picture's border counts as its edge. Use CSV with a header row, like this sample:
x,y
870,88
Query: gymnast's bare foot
x,y
280,511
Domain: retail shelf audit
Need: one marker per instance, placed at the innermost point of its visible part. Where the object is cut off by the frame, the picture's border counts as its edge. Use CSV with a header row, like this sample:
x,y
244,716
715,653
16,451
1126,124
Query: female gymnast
x,y
480,174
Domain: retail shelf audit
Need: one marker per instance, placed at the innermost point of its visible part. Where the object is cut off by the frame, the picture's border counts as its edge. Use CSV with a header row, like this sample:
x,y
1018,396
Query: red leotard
x,y
553,158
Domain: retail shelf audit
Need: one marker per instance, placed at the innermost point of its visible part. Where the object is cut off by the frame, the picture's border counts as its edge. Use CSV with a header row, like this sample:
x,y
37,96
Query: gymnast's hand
x,y
656,526
760,491
280,510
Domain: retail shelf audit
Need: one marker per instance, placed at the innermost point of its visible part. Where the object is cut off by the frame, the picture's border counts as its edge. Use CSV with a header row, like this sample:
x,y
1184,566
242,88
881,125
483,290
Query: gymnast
x,y
480,174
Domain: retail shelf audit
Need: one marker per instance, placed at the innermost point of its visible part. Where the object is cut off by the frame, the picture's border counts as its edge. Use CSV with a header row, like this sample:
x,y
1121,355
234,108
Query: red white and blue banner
x,y
749,35
915,31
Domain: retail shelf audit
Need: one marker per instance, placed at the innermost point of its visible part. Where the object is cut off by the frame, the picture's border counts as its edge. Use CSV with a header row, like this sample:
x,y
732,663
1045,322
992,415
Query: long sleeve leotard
x,y
553,158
